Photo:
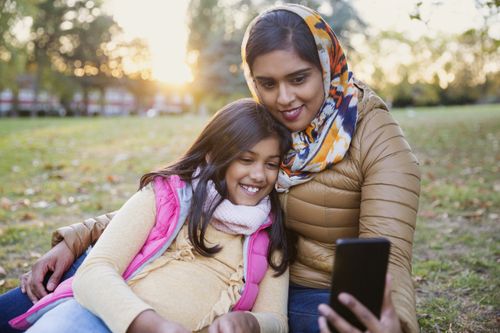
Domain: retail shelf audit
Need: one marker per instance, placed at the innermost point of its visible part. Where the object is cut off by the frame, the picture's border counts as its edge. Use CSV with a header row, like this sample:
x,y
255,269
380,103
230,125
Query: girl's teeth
x,y
251,189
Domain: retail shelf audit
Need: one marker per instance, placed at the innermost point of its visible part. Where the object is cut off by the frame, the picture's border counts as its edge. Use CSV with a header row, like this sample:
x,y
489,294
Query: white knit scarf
x,y
231,218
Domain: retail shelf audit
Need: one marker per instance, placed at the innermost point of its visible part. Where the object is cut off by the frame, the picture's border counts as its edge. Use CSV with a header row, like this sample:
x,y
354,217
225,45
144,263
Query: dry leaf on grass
x,y
3,272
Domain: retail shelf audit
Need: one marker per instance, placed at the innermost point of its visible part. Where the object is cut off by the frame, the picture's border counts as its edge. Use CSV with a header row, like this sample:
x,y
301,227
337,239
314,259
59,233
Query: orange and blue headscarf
x,y
327,138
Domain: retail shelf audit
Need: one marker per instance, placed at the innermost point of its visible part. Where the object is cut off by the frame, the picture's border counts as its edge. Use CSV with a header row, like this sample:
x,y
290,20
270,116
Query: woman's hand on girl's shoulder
x,y
56,261
235,322
388,323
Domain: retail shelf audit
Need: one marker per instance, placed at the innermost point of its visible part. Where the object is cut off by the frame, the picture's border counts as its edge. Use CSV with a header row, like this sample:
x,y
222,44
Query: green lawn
x,y
58,171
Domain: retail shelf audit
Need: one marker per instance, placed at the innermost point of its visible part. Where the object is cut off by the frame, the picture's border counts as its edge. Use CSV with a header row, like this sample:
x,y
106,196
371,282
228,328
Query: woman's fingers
x,y
364,315
323,325
335,320
388,322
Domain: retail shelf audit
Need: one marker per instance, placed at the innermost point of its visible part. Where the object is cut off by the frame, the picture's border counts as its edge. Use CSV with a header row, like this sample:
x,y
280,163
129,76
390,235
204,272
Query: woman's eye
x,y
246,160
267,84
299,79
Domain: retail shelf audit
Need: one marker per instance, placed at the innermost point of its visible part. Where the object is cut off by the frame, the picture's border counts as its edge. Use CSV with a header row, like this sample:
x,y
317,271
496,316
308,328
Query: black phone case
x,y
359,269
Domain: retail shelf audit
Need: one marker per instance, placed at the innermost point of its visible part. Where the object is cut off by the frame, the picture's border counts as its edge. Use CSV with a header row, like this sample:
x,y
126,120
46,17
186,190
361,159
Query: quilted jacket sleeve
x,y
389,202
79,236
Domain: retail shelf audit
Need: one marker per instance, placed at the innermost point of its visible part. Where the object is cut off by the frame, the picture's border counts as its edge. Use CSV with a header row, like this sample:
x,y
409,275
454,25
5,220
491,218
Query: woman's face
x,y
290,87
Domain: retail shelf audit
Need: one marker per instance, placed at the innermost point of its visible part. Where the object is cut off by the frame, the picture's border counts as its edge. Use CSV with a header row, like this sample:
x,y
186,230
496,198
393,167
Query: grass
x,y
456,247
55,172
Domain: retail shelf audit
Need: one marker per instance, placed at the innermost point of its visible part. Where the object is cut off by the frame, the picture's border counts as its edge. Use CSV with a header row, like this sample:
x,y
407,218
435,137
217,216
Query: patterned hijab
x,y
327,138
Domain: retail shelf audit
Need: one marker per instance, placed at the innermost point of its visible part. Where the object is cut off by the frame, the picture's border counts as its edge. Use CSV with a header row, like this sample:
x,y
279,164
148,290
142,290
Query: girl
x,y
192,244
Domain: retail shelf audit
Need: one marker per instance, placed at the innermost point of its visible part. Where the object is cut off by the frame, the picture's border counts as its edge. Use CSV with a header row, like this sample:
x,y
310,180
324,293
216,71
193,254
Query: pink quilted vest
x,y
173,200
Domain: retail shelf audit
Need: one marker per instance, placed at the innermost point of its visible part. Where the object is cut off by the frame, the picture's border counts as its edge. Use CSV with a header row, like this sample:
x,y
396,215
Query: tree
x,y
216,31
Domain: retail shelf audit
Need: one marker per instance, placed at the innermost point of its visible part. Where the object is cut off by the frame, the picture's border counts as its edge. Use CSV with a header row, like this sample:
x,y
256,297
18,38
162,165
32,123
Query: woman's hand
x,y
57,260
389,321
150,322
235,322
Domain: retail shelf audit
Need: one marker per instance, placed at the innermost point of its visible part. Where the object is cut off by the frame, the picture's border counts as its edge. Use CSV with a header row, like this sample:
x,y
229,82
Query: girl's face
x,y
251,176
290,87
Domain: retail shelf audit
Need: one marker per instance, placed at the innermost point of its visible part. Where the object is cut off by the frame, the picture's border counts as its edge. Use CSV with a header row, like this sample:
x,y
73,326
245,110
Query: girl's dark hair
x,y
235,128
281,30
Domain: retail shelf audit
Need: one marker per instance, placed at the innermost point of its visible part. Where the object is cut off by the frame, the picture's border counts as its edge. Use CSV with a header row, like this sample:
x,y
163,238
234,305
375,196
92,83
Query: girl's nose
x,y
285,95
257,173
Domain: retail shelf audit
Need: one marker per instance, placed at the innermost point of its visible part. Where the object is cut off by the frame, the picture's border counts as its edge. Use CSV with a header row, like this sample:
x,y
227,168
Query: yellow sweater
x,y
181,285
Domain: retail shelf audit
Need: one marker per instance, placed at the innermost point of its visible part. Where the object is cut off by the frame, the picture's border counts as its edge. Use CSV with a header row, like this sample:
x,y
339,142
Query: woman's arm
x,y
68,243
98,284
79,236
389,202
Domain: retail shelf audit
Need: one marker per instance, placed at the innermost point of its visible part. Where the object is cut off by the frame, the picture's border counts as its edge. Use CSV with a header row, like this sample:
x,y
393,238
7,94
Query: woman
x,y
350,173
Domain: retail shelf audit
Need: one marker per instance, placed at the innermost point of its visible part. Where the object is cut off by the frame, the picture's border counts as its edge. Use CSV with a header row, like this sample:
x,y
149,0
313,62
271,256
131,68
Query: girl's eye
x,y
273,165
246,160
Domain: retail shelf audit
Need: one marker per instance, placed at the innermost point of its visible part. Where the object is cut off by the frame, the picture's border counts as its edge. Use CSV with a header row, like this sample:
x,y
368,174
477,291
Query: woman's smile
x,y
292,114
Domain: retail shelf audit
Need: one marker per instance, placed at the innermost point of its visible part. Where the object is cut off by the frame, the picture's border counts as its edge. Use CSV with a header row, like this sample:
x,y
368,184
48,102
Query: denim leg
x,y
14,303
69,317
303,308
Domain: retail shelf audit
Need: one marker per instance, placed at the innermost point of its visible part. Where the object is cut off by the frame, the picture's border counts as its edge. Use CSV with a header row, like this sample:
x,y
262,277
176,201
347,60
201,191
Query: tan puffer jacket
x,y
372,192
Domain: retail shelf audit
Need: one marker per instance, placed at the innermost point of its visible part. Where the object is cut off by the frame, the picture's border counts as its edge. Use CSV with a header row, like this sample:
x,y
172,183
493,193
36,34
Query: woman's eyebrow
x,y
298,72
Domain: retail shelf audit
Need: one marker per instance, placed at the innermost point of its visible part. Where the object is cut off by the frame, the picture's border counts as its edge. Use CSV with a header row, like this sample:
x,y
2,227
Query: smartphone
x,y
359,269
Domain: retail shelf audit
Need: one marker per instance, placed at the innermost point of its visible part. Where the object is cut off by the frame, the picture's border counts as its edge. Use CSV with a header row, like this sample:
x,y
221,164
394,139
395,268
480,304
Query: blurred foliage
x,y
216,31
437,70
72,46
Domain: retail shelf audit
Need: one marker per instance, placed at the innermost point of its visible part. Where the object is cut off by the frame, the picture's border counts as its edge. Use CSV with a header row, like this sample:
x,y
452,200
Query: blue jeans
x,y
69,317
14,303
303,308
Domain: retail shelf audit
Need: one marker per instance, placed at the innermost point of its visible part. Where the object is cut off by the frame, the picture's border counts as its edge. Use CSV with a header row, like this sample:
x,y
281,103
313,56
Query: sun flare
x,y
163,25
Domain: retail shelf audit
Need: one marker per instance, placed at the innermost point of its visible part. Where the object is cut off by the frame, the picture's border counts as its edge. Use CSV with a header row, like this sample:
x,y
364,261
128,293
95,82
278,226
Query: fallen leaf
x,y
5,203
431,176
56,176
41,204
24,202
49,166
476,213
28,216
418,279
29,191
436,203
113,179
427,214
3,273
35,255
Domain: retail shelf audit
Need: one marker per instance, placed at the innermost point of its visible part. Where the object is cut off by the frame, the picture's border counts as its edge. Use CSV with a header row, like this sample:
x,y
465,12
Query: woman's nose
x,y
285,95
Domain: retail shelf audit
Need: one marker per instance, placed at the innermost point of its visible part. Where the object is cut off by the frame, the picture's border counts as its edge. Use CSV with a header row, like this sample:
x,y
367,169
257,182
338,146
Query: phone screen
x,y
359,269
